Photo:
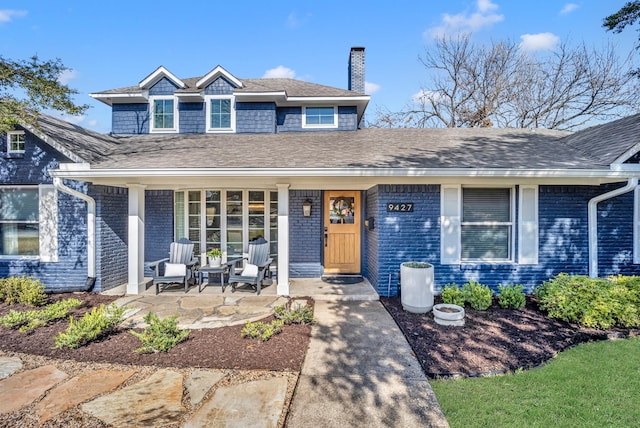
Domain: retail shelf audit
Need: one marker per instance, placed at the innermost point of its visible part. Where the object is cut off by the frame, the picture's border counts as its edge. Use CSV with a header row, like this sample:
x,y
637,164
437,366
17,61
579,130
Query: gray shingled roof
x,y
609,141
293,88
486,148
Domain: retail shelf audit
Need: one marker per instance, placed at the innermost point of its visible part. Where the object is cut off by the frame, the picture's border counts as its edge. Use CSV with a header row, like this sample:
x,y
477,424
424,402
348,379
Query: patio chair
x,y
256,272
177,268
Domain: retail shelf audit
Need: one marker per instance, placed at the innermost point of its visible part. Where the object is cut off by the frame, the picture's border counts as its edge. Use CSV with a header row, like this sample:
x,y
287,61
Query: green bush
x,y
99,322
28,320
22,290
592,302
453,295
511,296
160,336
261,330
479,296
300,314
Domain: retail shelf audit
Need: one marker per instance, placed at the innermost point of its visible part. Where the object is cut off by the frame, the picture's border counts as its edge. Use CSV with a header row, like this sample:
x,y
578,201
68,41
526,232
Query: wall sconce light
x,y
306,208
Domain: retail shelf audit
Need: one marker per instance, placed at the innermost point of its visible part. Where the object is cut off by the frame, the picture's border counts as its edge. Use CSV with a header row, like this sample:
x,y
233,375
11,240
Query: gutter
x,y
91,230
593,222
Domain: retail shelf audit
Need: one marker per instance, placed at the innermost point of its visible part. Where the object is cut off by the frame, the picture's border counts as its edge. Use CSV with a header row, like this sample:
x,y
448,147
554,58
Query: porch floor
x,y
299,287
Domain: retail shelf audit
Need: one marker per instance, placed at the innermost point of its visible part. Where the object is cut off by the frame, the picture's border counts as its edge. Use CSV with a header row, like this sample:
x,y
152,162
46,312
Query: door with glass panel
x,y
342,232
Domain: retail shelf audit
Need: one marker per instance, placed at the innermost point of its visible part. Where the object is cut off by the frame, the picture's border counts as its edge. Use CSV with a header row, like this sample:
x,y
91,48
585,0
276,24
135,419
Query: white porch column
x,y
283,240
136,284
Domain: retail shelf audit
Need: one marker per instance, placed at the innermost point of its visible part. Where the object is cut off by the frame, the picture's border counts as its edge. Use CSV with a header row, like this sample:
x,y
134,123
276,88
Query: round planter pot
x,y
416,282
215,261
446,314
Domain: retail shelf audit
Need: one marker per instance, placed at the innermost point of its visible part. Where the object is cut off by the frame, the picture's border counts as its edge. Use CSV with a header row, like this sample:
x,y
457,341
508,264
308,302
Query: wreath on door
x,y
342,207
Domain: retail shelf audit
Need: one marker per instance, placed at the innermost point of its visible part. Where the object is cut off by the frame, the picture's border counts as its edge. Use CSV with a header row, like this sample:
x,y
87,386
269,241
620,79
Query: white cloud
x,y
539,42
7,15
92,122
67,76
465,22
76,120
279,72
568,8
423,95
295,21
371,88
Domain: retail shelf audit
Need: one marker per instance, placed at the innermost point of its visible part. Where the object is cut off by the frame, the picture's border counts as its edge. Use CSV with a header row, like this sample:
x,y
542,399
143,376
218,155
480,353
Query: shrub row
x,y
480,296
592,302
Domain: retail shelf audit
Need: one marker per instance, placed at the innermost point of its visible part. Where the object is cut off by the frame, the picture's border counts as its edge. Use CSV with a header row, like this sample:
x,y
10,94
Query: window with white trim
x,y
164,114
221,113
19,221
227,219
319,117
15,141
478,224
487,227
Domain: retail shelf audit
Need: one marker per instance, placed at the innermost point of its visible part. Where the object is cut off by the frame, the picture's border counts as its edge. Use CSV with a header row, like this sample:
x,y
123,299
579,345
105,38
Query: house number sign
x,y
402,207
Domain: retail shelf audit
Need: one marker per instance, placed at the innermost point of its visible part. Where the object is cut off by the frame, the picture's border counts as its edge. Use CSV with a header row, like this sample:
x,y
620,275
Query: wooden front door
x,y
342,213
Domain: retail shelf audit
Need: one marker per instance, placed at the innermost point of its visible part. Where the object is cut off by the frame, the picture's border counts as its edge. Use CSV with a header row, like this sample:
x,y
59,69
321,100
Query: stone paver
x,y
79,389
201,302
23,388
200,382
154,401
8,366
253,404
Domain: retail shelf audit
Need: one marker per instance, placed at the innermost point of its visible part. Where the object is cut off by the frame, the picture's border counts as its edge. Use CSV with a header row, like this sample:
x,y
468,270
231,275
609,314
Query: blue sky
x,y
117,43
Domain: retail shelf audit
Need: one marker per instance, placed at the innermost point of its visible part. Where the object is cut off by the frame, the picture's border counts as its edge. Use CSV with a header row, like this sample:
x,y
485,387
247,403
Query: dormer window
x,y
164,114
15,142
319,117
221,113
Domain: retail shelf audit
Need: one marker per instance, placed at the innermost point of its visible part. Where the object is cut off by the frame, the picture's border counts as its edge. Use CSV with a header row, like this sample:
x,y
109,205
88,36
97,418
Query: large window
x,y
164,116
15,142
319,117
486,227
220,113
227,219
19,228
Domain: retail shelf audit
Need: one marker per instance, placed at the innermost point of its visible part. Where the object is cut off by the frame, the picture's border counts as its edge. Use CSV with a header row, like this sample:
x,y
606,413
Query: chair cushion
x,y
250,270
175,269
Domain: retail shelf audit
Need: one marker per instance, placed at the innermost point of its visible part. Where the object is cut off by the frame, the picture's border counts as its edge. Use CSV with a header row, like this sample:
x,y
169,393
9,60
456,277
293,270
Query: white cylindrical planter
x,y
416,282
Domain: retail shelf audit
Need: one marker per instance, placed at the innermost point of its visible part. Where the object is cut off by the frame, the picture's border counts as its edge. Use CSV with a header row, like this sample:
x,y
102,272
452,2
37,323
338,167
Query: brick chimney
x,y
356,70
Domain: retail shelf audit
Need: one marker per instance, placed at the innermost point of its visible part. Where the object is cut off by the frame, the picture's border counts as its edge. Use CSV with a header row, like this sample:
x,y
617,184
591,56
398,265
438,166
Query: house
x,y
222,160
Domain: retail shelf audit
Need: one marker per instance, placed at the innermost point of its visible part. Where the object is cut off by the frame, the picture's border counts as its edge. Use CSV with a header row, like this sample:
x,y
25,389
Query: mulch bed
x,y
491,342
220,348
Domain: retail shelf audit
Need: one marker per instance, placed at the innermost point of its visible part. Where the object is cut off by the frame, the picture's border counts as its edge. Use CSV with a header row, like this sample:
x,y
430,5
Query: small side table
x,y
210,271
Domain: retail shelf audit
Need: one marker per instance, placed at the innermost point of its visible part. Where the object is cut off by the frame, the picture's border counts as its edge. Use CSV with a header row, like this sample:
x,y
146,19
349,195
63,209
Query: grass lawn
x,y
595,384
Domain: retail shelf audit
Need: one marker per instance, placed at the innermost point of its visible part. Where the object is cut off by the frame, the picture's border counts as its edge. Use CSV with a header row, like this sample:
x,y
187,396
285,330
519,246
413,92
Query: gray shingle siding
x,y
163,86
220,86
192,118
130,119
255,118
289,119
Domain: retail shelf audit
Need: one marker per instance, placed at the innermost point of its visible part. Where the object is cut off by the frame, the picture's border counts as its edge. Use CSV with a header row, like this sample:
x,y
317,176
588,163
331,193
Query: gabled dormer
x,y
219,102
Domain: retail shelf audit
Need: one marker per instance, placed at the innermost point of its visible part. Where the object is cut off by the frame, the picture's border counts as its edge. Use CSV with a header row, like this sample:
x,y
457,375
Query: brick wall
x,y
305,235
563,237
371,236
158,225
111,236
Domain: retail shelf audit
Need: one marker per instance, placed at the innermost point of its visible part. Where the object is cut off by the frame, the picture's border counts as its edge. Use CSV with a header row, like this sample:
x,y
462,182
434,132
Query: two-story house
x,y
222,160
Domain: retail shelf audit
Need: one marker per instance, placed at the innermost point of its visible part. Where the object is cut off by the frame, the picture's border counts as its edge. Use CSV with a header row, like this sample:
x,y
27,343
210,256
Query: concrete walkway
x,y
360,371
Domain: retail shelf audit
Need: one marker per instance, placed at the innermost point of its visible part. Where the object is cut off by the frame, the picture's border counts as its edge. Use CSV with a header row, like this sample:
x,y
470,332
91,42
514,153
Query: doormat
x,y
342,279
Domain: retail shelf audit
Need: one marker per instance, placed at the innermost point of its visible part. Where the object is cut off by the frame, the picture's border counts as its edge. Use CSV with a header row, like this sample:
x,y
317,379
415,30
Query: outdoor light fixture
x,y
306,208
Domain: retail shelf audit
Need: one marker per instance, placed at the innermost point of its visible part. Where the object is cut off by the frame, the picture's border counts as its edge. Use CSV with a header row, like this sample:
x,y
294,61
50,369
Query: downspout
x,y
91,230
593,222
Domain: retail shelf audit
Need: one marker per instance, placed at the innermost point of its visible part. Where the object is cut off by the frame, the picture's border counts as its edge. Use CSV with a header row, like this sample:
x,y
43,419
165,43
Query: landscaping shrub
x,y
160,336
28,320
99,322
261,330
479,296
511,296
453,295
300,314
23,290
592,302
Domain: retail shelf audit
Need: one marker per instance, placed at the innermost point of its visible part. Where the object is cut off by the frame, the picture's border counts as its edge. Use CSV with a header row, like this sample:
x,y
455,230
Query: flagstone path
x,y
124,396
